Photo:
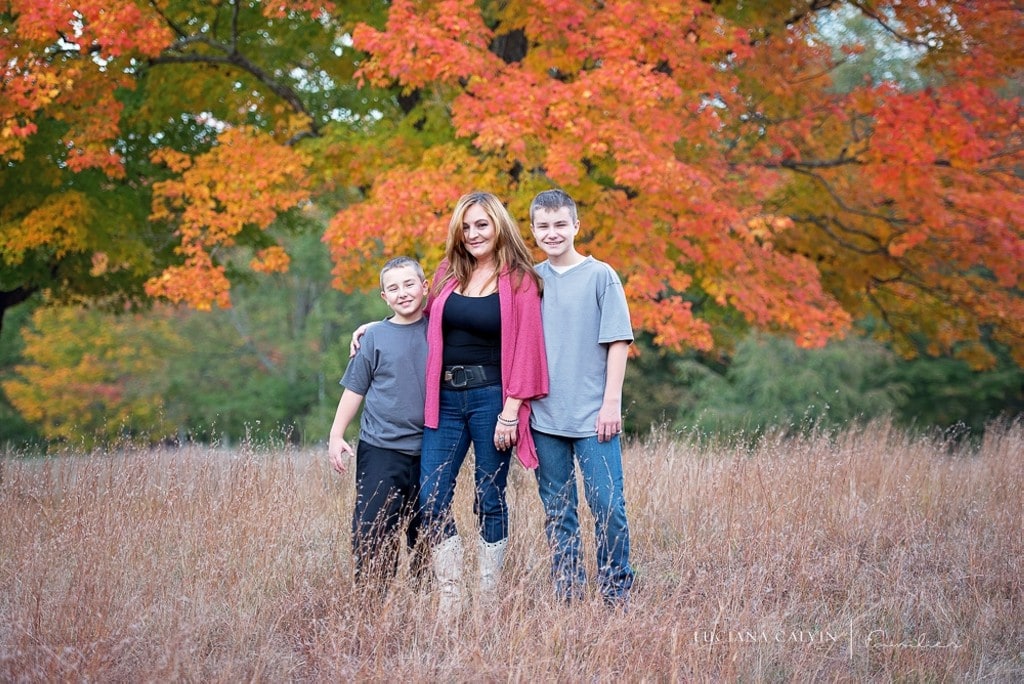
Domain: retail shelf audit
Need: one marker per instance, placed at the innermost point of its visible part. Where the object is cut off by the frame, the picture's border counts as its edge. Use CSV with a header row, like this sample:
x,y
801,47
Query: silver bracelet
x,y
507,423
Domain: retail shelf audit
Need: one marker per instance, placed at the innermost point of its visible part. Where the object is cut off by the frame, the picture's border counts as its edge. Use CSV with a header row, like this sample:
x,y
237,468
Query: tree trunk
x,y
11,298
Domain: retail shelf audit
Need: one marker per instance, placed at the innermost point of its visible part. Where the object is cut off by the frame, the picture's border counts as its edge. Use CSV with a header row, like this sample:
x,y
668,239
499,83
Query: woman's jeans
x,y
601,467
466,415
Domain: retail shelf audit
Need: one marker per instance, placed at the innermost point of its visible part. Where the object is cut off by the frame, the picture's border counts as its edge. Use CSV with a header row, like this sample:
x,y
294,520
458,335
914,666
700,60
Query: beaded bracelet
x,y
506,422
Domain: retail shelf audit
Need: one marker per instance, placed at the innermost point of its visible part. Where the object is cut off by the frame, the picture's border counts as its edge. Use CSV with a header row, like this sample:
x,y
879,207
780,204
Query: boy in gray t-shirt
x,y
389,370
587,333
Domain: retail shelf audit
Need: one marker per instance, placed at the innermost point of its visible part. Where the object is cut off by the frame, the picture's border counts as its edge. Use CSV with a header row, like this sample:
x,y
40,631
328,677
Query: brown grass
x,y
863,555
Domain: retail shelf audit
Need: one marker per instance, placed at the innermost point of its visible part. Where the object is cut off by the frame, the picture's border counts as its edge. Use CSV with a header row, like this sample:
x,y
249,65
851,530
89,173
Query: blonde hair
x,y
401,262
510,251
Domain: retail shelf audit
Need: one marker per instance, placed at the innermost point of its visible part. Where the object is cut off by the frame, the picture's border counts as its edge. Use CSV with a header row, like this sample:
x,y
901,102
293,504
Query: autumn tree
x,y
154,148
266,369
162,146
90,377
716,164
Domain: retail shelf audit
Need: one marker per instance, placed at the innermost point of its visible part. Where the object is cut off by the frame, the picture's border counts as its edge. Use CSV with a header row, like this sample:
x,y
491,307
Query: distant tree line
x,y
267,370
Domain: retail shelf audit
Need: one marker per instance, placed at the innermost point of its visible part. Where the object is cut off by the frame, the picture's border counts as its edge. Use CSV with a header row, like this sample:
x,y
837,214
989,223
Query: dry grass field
x,y
865,555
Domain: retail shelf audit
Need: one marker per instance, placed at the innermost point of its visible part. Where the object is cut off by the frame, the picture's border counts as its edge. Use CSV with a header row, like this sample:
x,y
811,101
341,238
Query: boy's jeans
x,y
601,466
466,415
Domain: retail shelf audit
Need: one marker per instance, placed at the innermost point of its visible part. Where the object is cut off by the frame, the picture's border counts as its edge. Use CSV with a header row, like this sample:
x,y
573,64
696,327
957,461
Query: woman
x,y
485,361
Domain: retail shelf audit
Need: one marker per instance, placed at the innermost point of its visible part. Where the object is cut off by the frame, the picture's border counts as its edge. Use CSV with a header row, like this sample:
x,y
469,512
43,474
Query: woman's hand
x,y
353,346
507,429
505,436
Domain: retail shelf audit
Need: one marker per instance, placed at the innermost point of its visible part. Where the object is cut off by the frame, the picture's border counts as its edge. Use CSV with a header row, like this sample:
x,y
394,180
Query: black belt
x,y
464,377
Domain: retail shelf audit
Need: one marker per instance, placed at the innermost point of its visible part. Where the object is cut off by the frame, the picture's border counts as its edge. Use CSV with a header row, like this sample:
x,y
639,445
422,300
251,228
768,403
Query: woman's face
x,y
479,234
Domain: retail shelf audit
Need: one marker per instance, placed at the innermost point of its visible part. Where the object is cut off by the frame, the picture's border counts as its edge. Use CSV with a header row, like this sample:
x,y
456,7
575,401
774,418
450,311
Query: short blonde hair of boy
x,y
401,262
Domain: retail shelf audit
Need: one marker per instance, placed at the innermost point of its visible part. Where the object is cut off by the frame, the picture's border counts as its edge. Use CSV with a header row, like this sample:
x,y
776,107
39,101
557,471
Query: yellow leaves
x,y
90,375
58,224
292,124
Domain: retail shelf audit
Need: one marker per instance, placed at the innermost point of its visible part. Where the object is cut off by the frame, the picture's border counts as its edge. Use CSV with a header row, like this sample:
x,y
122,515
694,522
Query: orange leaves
x,y
923,231
270,260
246,179
407,213
177,162
427,42
111,28
623,104
907,241
711,165
199,282
24,90
60,59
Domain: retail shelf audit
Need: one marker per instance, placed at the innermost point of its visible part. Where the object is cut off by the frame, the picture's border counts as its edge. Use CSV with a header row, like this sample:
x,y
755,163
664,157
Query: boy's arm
x,y
609,418
338,448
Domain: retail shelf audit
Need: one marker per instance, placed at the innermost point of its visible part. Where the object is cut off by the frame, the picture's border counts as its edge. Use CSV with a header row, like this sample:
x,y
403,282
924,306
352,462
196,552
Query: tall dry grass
x,y
861,555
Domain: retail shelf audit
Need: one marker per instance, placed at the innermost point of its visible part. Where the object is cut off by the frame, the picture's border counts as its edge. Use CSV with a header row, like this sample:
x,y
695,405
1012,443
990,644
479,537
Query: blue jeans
x,y
466,415
601,466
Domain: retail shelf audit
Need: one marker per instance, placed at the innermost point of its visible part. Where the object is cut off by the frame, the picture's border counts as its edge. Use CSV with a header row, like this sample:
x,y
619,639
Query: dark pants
x,y
387,486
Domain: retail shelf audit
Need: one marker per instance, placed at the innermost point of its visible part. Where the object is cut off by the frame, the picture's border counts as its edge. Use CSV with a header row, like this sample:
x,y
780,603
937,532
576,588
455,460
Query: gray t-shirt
x,y
584,309
390,371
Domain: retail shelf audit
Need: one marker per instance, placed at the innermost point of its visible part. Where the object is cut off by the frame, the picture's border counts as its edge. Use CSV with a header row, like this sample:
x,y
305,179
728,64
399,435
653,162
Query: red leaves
x,y
408,213
78,86
425,43
626,95
687,142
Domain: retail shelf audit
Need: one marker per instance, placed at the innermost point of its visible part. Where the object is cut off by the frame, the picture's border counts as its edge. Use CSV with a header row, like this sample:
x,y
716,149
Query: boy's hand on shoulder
x,y
340,453
609,421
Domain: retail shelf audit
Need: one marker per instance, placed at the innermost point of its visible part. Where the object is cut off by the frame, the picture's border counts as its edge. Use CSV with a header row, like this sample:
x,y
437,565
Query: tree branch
x,y
236,59
880,20
797,165
232,57
822,224
167,20
839,200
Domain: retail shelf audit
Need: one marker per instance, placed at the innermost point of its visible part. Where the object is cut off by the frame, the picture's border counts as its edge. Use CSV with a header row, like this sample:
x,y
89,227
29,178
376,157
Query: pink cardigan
x,y
524,363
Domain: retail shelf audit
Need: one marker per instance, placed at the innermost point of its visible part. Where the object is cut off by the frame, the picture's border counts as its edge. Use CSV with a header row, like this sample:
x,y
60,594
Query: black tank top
x,y
472,330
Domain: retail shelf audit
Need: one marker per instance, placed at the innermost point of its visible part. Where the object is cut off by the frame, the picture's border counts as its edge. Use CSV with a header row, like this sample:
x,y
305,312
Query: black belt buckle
x,y
457,376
